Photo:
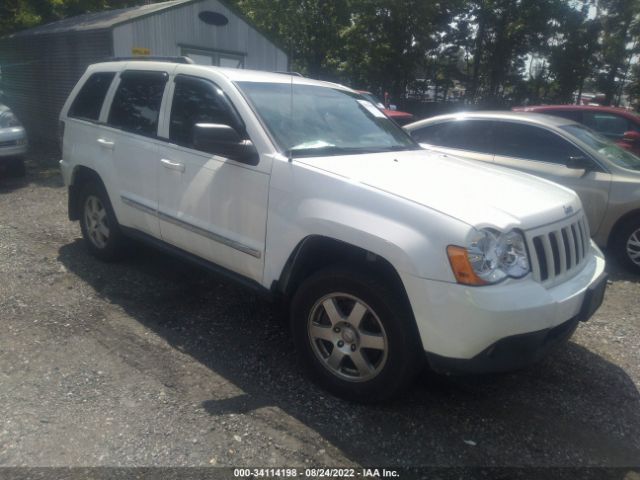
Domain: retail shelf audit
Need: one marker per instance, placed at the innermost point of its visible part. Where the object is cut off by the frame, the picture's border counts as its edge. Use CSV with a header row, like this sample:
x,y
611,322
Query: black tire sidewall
x,y
18,167
620,245
113,249
403,359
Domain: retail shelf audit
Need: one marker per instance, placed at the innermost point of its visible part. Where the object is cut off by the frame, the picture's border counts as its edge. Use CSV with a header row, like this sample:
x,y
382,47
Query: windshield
x,y
310,120
373,99
604,147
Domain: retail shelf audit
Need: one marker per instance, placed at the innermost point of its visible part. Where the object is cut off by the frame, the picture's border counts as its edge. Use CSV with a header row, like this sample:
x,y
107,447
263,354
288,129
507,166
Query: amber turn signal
x,y
462,269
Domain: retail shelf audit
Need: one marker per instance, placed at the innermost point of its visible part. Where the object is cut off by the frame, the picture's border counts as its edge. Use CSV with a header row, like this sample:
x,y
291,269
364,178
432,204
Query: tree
x,y
620,21
387,40
309,30
17,15
574,55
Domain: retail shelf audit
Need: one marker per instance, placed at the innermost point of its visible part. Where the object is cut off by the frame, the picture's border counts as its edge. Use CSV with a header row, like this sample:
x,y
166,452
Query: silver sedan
x,y
606,177
13,142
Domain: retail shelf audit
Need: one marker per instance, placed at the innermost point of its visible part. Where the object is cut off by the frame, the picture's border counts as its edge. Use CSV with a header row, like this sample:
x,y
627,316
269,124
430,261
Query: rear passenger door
x,y
82,129
465,138
546,154
131,137
210,205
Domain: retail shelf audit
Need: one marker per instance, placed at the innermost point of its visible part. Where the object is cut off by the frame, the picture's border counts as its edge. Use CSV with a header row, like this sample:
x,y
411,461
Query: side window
x,y
533,143
574,115
88,102
136,104
196,100
608,124
472,135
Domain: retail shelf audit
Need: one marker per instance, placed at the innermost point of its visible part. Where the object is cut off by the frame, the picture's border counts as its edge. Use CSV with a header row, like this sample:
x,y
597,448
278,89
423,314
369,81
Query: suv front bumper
x,y
505,326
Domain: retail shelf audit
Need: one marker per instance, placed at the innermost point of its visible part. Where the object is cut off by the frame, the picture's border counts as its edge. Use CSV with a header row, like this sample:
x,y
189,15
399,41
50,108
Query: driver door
x,y
211,206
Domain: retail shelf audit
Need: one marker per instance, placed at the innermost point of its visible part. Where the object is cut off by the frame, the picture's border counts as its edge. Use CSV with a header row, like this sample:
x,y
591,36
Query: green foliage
x,y
499,51
17,15
309,30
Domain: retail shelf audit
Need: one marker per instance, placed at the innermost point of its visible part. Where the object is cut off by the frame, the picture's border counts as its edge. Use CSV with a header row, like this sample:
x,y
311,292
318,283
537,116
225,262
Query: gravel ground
x,y
154,362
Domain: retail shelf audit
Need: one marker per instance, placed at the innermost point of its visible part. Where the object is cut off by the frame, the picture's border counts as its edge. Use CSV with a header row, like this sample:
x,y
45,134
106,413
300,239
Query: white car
x,y
303,190
13,142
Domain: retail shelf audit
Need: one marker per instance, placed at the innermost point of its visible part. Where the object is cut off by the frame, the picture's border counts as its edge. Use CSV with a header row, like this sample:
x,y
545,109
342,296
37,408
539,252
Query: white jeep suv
x,y
386,254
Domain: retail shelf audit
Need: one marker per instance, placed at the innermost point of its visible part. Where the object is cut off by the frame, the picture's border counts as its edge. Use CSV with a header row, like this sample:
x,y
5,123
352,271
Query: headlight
x,y
8,119
490,257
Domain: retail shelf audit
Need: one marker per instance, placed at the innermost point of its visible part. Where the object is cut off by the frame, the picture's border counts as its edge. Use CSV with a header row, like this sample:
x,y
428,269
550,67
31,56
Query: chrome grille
x,y
558,251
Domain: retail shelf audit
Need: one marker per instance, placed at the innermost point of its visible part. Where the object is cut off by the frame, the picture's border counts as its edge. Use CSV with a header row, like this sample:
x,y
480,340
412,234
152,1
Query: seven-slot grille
x,y
558,251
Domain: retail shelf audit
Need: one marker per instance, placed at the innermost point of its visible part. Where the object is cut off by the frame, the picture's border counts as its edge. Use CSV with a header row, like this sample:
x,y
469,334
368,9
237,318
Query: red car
x,y
401,118
620,125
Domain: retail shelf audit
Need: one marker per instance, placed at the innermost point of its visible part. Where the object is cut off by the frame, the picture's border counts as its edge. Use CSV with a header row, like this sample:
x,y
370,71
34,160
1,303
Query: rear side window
x,y
533,143
574,115
472,135
196,100
611,125
136,104
88,102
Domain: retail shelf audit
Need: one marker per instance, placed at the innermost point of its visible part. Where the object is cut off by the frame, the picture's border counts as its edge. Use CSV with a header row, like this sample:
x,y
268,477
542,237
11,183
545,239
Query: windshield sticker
x,y
372,109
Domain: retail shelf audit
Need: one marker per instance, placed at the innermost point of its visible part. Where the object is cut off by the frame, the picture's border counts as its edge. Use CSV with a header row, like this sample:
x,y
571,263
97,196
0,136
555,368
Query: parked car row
x,y
13,143
387,255
605,176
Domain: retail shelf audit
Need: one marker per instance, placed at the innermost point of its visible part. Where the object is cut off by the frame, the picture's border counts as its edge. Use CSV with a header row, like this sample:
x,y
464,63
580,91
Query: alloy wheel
x,y
633,247
347,337
95,216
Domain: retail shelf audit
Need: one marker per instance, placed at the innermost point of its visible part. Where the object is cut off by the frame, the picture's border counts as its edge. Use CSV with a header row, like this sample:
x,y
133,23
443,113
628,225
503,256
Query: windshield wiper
x,y
335,150
326,150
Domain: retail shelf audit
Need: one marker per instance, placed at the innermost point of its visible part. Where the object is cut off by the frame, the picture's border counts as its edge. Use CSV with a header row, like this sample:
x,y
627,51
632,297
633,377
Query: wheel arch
x,y
620,223
316,252
79,177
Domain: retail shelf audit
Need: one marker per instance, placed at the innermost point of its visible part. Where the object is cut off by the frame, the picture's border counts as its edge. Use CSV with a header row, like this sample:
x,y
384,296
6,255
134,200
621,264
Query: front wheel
x,y
355,337
627,245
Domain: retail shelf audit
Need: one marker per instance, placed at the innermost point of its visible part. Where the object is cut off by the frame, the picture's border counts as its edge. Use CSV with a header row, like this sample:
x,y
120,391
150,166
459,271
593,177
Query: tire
x,y
331,347
627,245
18,168
100,230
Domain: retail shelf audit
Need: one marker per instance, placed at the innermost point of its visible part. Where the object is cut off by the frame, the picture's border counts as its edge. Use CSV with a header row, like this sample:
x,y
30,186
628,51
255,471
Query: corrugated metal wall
x,y
39,71
164,33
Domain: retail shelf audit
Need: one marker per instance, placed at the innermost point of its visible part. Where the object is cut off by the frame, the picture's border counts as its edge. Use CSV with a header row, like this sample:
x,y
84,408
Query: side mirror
x,y
225,141
631,136
579,162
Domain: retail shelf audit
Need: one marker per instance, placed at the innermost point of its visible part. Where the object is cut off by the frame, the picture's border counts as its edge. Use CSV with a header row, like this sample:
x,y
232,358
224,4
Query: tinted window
x,y
88,102
574,115
196,101
473,135
606,123
136,104
534,143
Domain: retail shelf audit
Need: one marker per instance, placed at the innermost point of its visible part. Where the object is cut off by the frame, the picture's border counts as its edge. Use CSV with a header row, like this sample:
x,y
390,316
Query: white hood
x,y
477,193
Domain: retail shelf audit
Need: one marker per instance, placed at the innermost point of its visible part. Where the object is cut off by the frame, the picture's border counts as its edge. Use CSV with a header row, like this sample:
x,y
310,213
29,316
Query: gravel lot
x,y
154,362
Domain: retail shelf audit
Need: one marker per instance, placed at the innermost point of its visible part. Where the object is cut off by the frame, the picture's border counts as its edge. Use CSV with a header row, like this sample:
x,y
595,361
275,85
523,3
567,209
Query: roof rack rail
x,y
152,58
295,74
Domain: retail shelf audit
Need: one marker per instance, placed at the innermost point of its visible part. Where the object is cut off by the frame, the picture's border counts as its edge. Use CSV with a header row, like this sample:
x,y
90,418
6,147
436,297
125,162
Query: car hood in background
x,y
478,194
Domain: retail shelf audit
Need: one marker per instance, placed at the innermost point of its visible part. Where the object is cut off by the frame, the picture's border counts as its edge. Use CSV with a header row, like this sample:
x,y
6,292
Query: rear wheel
x,y
627,245
100,228
355,337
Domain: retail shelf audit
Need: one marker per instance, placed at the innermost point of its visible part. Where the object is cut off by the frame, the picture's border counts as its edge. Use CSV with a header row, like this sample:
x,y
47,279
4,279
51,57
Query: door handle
x,y
172,165
106,143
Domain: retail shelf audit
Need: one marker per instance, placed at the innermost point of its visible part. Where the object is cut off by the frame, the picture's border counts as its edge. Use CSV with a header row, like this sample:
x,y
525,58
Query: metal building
x,y
41,65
